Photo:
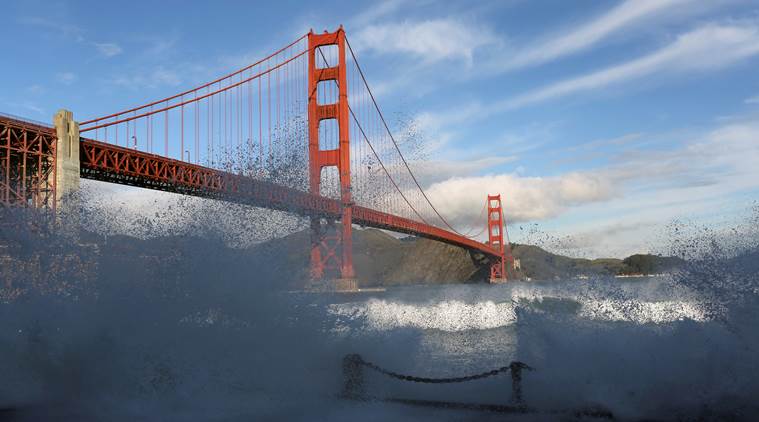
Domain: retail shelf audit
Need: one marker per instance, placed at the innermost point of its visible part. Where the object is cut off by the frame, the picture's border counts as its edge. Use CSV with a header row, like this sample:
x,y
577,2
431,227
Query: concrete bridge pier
x,y
67,159
345,284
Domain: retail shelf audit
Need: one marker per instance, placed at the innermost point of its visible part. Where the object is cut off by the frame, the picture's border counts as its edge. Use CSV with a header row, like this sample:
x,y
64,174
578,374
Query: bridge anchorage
x,y
298,131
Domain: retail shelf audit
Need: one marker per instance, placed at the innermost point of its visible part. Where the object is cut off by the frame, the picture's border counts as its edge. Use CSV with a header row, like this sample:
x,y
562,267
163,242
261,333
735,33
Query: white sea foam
x,y
454,315
643,312
381,315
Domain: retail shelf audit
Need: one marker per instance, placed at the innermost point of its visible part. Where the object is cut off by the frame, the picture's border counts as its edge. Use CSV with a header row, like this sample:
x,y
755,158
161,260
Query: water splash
x,y
450,316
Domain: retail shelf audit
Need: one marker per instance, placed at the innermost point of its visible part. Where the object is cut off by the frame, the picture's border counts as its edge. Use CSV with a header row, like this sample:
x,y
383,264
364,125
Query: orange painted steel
x,y
324,249
114,164
495,237
27,163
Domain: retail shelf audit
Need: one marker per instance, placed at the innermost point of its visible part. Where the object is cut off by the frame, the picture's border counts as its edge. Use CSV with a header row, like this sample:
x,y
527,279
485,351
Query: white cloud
x,y
598,143
159,76
644,188
734,147
66,78
108,49
722,160
65,29
430,40
160,46
163,76
34,108
690,52
14,108
72,31
375,12
752,100
602,236
693,51
587,35
433,121
429,172
35,89
441,127
460,199
435,40
708,176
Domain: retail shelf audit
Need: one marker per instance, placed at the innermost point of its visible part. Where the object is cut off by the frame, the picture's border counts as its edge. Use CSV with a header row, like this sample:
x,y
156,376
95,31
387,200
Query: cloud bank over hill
x,y
524,198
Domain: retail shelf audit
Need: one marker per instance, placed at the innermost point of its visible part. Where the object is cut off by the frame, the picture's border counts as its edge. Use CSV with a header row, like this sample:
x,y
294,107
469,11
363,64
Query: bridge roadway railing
x,y
115,164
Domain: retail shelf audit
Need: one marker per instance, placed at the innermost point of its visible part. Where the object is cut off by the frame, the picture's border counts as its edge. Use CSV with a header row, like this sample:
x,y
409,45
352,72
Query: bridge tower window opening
x,y
326,56
328,135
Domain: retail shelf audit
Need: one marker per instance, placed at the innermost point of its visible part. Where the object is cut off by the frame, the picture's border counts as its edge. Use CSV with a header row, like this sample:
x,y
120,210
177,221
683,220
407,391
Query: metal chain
x,y
358,360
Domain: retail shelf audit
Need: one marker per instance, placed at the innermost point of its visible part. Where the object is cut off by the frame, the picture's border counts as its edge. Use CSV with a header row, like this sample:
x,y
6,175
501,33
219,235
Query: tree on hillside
x,y
639,264
649,264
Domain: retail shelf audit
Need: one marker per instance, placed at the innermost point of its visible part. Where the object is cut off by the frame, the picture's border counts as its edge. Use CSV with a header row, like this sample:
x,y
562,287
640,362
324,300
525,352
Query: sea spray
x,y
186,327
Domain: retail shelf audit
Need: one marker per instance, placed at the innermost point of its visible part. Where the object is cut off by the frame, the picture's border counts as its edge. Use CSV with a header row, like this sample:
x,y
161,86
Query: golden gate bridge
x,y
298,131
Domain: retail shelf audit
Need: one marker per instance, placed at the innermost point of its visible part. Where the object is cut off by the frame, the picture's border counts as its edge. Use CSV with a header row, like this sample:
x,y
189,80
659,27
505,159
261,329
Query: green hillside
x,y
539,264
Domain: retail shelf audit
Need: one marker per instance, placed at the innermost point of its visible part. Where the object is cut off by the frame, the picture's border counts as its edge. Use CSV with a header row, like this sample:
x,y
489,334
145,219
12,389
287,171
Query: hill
x,y
380,259
539,264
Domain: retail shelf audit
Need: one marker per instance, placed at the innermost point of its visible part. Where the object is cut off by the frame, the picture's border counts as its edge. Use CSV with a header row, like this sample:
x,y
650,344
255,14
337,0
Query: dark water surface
x,y
215,336
641,348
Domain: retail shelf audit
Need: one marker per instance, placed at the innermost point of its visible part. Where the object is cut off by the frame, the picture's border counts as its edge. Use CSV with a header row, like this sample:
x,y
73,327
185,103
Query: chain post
x,y
516,382
353,376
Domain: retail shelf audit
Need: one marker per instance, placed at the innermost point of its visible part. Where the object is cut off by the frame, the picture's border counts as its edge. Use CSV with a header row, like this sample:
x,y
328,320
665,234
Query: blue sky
x,y
600,121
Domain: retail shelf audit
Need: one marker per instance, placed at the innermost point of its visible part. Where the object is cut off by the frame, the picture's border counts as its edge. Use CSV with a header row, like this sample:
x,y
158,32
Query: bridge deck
x,y
114,164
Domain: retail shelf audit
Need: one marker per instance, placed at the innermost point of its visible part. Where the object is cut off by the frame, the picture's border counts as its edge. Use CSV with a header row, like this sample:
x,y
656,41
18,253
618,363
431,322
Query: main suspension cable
x,y
208,84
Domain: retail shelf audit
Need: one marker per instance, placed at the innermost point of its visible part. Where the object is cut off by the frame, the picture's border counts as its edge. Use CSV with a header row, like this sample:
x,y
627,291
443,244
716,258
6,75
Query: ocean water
x,y
639,348
621,344
221,339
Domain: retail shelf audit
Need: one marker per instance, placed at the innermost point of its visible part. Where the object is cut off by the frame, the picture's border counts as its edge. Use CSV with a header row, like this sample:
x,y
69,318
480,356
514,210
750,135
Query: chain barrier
x,y
354,385
358,360
353,373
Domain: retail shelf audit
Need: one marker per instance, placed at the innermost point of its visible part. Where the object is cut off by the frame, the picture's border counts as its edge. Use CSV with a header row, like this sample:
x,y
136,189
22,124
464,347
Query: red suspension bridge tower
x,y
335,251
496,237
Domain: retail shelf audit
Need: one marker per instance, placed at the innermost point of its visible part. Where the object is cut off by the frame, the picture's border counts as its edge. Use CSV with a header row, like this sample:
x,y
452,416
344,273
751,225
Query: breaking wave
x,y
451,316
213,328
456,316
643,312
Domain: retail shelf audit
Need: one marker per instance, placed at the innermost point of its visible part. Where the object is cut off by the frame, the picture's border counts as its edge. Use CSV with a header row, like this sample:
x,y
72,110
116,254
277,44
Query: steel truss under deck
x,y
27,164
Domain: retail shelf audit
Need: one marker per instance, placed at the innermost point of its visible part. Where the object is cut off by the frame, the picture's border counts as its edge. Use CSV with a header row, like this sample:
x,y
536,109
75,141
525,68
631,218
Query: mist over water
x,y
207,333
